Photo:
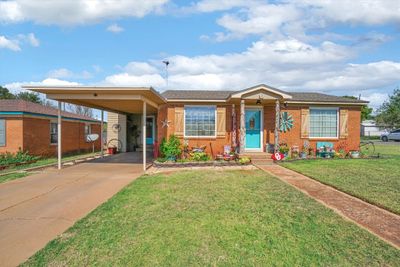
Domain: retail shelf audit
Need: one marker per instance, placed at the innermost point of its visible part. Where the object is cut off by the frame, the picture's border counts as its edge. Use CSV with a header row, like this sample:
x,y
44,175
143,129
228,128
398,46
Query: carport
x,y
123,100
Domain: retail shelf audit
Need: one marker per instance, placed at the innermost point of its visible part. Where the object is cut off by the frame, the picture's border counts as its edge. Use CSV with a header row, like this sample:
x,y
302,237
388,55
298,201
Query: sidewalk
x,y
382,223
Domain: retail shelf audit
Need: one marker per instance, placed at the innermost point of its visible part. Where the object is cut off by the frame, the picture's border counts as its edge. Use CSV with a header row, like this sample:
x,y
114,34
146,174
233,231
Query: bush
x,y
244,160
20,157
171,148
199,156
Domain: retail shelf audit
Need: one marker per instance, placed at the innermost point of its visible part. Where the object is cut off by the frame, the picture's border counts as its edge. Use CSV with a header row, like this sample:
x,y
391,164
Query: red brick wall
x,y
215,145
14,135
293,137
37,137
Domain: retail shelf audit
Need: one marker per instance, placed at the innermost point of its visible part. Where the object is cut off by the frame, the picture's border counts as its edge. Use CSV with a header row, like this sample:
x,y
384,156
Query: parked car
x,y
393,135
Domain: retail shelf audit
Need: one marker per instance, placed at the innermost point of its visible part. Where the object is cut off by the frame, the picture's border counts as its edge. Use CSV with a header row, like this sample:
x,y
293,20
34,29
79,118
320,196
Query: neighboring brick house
x,y
33,127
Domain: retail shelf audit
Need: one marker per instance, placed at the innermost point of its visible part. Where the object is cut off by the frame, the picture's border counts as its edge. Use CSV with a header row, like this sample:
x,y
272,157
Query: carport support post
x,y
101,134
144,135
277,124
59,135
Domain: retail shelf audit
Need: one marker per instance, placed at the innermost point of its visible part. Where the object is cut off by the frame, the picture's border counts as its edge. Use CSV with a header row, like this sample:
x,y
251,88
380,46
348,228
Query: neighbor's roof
x,y
224,94
14,105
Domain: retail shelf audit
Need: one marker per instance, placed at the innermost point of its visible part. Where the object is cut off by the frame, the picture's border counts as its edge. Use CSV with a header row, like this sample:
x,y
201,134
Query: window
x,y
200,121
53,133
2,132
88,129
324,122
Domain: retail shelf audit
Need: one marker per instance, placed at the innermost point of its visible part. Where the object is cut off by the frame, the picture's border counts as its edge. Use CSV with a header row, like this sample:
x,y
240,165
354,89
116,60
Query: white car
x,y
393,135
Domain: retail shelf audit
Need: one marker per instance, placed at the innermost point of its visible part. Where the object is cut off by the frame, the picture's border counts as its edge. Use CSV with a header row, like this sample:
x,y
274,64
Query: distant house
x,y
33,127
371,128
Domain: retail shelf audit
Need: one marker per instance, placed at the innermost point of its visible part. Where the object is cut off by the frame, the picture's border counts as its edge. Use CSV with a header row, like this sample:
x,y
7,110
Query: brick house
x,y
33,127
252,120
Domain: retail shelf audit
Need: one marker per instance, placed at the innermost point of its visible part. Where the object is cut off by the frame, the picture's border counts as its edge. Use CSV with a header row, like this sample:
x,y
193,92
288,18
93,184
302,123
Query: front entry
x,y
150,130
253,129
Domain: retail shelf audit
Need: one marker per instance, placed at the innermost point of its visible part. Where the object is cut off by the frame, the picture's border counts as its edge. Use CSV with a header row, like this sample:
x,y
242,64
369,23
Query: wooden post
x,y
242,127
277,123
144,135
59,154
101,134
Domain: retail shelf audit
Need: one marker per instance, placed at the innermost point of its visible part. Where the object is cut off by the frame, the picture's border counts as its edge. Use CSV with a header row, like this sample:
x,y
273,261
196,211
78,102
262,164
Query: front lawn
x,y
230,218
374,180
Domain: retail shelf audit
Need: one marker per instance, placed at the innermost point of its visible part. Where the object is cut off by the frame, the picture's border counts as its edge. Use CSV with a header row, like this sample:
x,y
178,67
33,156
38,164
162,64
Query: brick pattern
x,y
33,135
292,137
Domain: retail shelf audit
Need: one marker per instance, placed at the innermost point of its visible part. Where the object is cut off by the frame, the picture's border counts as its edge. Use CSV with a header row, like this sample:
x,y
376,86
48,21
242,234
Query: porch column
x,y
144,135
59,135
242,127
277,123
101,134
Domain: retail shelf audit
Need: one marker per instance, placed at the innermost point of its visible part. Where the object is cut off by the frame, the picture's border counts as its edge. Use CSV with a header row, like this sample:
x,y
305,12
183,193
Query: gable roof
x,y
225,94
15,105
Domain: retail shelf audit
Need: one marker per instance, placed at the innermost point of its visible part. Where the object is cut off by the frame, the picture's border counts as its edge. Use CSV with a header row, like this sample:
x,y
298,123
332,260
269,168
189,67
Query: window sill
x,y
324,138
199,137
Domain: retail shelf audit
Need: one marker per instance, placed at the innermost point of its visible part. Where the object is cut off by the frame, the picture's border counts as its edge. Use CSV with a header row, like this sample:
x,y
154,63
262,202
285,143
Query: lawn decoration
x,y
278,156
286,122
165,123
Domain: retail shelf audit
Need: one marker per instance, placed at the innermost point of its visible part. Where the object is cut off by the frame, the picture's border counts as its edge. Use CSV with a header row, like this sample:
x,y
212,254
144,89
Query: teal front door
x,y
253,129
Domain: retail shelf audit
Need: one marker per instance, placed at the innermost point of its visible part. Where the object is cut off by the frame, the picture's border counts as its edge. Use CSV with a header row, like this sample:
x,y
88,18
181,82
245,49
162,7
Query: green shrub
x,y
244,160
171,148
20,157
199,156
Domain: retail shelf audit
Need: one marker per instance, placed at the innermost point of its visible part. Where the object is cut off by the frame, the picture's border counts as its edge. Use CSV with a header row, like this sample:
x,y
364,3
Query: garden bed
x,y
211,163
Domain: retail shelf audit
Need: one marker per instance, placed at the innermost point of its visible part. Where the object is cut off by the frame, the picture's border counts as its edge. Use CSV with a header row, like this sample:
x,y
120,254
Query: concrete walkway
x,y
37,208
382,223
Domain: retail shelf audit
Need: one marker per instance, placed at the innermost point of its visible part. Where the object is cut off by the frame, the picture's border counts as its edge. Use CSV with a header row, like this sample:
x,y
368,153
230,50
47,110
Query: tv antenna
x,y
166,62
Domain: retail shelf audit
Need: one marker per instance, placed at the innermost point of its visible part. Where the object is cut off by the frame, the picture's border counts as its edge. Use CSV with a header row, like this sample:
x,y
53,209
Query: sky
x,y
330,46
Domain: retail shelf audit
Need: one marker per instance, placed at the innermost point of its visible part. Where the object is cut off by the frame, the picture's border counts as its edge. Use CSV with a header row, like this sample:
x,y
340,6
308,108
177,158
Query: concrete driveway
x,y
37,208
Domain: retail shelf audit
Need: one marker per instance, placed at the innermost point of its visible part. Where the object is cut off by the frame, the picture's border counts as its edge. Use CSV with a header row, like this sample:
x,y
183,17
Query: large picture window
x,y
323,123
199,121
53,133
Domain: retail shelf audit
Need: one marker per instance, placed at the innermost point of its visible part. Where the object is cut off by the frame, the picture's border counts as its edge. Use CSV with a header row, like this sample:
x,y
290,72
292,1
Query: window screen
x,y
323,122
200,121
2,132
53,133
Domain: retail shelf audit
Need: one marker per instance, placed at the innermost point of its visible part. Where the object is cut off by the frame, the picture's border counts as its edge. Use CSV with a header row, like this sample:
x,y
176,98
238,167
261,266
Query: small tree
x,y
389,112
81,110
365,110
30,96
171,148
5,93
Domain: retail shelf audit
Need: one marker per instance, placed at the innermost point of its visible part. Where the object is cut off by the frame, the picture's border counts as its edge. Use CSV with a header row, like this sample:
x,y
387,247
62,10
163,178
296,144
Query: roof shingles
x,y
14,105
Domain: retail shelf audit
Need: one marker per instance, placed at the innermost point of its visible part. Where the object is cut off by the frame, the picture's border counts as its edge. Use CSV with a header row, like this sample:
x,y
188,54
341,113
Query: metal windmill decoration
x,y
286,122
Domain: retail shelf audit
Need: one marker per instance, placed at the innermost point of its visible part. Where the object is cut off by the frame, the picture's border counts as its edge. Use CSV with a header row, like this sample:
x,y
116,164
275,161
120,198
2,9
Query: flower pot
x,y
355,154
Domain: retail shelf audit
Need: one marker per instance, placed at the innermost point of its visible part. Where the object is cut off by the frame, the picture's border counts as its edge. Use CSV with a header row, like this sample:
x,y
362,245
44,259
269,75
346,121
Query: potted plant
x,y
284,149
355,154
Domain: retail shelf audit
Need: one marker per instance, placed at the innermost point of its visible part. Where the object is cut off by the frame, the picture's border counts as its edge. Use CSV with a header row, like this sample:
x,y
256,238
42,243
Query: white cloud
x,y
287,64
115,28
15,43
17,86
375,99
67,12
9,44
66,73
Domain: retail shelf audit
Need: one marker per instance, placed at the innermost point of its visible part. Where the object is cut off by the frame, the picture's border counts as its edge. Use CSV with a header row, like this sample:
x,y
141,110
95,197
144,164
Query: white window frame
x,y
5,132
337,123
90,131
196,136
53,122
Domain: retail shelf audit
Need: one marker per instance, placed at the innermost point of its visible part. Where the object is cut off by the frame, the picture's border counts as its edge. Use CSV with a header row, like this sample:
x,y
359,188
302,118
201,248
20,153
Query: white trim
x,y
261,109
196,100
337,124
200,137
260,87
326,103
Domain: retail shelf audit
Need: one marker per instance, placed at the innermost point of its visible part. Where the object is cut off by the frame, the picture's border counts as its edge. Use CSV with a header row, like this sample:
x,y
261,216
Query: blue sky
x,y
335,47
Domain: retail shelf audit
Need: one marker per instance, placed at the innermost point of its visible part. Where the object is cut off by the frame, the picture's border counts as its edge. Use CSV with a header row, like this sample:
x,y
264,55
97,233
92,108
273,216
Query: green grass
x,y
10,174
230,218
374,180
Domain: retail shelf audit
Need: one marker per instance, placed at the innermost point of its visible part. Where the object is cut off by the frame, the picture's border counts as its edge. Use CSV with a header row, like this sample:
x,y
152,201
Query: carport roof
x,y
116,99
